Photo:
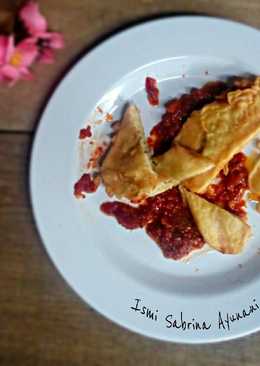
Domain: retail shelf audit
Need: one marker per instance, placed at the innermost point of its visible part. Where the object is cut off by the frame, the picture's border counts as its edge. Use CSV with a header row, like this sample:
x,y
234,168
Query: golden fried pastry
x,y
254,178
222,230
179,163
127,169
227,127
192,134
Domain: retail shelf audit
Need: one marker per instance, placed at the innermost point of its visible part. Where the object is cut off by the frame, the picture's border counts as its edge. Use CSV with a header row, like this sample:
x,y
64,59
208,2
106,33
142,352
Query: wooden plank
x,y
42,321
83,22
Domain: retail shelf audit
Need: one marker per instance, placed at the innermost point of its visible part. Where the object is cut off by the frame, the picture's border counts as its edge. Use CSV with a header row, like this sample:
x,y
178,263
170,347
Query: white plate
x,y
108,266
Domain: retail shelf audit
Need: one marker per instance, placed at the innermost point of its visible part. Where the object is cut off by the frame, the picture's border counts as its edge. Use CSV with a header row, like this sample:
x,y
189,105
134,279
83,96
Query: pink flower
x,y
15,60
37,27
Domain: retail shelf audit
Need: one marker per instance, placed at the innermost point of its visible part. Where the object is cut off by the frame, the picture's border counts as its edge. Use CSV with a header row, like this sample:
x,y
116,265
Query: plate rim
x,y
32,196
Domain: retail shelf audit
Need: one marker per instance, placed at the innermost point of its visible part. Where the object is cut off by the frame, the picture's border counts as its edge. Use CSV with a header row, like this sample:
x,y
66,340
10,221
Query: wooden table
x,y
42,321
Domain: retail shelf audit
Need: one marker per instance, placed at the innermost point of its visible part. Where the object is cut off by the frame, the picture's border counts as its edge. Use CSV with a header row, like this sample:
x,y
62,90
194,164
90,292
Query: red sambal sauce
x,y
177,112
229,192
166,220
86,184
152,91
85,132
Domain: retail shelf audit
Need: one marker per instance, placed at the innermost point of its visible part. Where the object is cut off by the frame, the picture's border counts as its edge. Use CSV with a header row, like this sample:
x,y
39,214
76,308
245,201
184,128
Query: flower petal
x,y
33,20
45,35
47,56
25,73
28,51
9,73
9,49
56,40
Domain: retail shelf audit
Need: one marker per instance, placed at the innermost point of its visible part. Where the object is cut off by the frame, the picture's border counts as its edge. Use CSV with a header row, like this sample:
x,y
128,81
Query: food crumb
x,y
109,117
95,156
85,132
98,122
99,109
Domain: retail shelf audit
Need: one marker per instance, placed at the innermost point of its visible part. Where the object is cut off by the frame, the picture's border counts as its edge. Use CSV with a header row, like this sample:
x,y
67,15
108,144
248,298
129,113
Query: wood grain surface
x,y
42,321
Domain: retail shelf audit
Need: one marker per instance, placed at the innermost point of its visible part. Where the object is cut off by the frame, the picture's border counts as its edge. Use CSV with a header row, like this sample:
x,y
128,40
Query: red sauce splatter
x,y
152,91
166,220
177,112
95,156
229,192
128,216
86,184
85,132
